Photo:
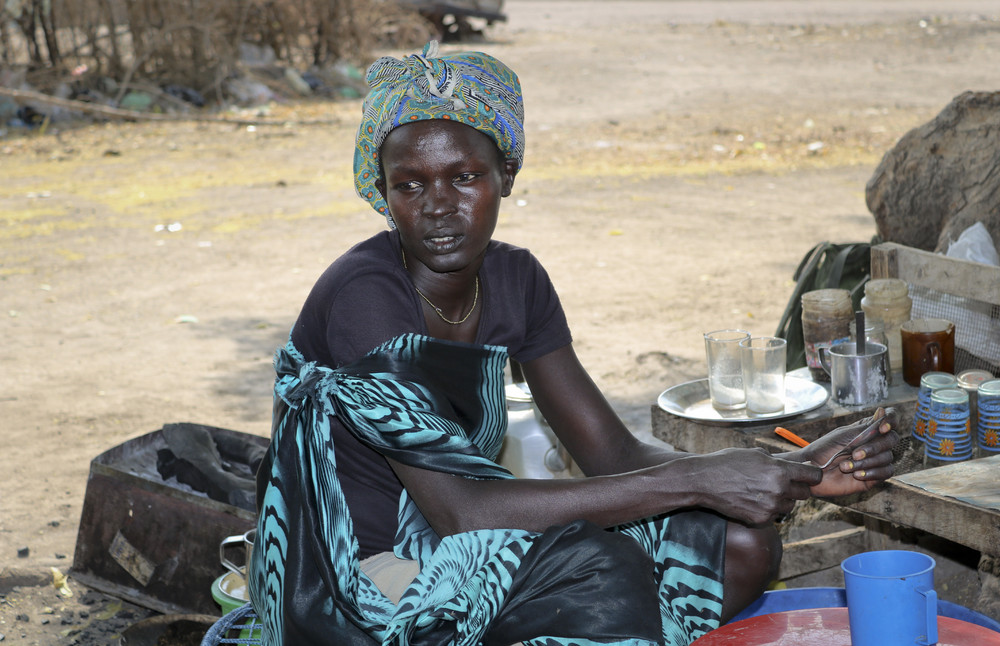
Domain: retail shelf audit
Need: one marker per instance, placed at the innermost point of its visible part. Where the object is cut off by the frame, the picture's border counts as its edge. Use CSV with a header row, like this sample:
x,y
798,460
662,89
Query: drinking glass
x,y
725,368
763,363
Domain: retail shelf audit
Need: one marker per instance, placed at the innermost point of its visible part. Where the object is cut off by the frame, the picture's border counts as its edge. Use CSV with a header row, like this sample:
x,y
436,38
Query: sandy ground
x,y
682,157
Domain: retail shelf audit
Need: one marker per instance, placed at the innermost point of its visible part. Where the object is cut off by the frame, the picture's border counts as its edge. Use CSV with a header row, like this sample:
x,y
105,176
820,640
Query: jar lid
x,y
990,388
826,297
872,328
889,288
970,379
934,380
950,396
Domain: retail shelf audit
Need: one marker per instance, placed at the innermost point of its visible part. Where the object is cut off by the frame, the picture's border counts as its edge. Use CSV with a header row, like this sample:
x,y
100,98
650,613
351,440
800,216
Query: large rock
x,y
941,177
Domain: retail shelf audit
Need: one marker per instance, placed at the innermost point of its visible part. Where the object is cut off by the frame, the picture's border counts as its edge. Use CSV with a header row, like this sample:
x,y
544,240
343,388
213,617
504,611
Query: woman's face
x,y
443,182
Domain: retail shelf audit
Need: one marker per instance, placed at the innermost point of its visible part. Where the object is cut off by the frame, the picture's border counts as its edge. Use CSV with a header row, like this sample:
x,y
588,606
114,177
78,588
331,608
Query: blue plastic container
x,y
802,598
891,598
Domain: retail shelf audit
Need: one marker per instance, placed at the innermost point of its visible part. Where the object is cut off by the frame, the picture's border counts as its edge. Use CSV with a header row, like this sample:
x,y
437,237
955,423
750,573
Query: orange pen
x,y
791,437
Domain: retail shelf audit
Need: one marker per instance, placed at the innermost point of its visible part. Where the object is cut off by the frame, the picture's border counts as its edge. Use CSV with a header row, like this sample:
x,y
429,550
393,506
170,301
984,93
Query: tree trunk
x,y
48,20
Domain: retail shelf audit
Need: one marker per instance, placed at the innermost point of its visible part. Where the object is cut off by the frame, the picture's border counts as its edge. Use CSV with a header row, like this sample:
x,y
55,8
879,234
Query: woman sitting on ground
x,y
389,414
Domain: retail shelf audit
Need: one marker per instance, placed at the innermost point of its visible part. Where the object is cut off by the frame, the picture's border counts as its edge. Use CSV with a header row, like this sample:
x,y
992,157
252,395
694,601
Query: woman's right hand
x,y
747,485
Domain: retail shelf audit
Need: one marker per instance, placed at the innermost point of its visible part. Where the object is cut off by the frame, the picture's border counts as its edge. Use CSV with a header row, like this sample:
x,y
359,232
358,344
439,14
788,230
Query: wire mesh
x,y
977,326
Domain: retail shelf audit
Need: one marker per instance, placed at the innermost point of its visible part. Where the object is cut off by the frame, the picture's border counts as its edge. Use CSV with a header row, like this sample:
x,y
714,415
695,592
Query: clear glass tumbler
x,y
763,359
725,368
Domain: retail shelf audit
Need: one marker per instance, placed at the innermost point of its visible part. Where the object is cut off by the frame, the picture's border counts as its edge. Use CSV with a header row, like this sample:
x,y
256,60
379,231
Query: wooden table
x,y
959,502
827,627
929,500
697,436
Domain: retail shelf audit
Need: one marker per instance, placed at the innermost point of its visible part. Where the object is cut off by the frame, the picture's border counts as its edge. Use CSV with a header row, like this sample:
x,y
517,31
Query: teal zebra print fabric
x,y
440,405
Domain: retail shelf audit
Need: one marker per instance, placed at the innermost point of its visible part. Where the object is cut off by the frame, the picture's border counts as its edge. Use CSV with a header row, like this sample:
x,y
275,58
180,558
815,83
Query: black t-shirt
x,y
366,298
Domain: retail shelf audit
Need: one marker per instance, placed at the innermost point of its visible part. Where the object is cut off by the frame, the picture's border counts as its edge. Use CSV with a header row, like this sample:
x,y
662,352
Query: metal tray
x,y
691,400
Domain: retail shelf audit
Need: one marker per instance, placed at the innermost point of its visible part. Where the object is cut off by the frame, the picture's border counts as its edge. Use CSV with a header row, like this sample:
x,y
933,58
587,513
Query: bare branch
x,y
132,115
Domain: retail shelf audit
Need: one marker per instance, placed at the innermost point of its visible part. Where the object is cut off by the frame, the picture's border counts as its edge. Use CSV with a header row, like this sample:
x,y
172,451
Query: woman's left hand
x,y
868,463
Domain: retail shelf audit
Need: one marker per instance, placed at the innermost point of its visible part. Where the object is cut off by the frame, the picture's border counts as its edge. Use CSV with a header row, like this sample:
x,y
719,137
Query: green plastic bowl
x,y
230,592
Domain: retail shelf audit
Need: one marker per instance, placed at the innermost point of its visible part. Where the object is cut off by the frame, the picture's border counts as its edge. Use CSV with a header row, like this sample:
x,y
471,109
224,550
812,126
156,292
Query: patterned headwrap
x,y
470,87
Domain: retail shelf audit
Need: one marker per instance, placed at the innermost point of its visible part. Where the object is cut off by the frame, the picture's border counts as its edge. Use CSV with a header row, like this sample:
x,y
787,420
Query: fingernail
x,y
862,473
860,454
850,465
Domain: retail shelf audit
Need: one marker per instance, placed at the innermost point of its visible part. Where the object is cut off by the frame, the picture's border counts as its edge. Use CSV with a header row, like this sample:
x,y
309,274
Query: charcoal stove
x,y
151,541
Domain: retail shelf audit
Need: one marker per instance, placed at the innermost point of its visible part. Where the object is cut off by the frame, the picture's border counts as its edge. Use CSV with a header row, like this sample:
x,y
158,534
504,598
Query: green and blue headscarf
x,y
469,87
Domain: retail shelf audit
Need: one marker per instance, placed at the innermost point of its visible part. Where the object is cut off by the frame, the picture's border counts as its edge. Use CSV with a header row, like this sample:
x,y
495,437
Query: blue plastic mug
x,y
890,598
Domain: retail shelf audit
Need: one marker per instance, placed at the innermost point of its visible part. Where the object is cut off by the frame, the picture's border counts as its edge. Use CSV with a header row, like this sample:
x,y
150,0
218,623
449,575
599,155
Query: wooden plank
x,y
949,275
820,552
884,263
877,534
697,437
691,436
976,482
904,504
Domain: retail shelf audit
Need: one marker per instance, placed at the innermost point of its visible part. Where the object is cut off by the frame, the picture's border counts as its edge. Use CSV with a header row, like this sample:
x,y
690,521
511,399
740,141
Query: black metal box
x,y
151,541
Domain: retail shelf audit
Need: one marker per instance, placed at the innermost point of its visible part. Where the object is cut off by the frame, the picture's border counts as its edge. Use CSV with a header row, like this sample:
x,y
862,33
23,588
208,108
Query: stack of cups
x,y
969,380
929,382
988,433
949,433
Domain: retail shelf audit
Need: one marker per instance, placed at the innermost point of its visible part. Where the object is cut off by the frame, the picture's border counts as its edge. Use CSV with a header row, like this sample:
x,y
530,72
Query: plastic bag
x,y
975,244
977,328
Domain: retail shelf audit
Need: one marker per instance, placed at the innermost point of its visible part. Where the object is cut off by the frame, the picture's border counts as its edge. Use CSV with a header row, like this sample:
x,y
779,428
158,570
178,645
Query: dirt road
x,y
682,157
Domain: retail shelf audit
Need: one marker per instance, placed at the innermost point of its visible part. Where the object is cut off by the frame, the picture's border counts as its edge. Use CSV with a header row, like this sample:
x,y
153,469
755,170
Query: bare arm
x,y
583,419
600,443
747,485
628,479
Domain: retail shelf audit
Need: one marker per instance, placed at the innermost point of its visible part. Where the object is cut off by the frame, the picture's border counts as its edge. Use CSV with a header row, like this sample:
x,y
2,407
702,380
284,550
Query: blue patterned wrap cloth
x,y
440,405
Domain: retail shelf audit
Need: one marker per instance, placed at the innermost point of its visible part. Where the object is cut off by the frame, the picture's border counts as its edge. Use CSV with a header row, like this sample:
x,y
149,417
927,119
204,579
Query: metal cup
x,y
245,541
857,380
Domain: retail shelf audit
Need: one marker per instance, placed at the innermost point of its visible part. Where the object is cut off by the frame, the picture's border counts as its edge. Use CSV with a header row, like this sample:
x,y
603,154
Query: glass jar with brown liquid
x,y
826,320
